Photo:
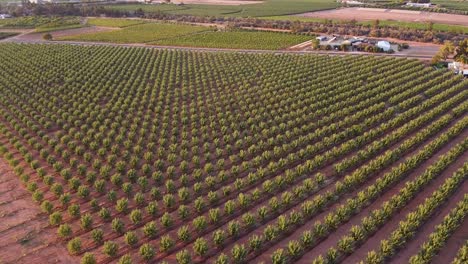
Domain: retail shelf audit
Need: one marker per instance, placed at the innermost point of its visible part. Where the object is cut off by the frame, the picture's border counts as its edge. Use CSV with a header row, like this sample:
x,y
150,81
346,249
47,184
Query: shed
x,y
385,45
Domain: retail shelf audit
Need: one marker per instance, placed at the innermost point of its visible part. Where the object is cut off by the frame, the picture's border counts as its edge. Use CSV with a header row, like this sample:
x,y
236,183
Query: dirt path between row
x,y
25,235
422,235
373,242
331,240
454,243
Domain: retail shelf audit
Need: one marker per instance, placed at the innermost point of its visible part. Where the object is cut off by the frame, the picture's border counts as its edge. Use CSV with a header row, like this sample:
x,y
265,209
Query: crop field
x,y
41,23
267,8
140,154
372,14
236,40
453,4
141,33
390,23
114,22
4,35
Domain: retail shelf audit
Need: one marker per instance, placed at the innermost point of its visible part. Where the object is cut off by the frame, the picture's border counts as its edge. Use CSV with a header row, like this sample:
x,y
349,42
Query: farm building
x,y
5,16
422,5
385,45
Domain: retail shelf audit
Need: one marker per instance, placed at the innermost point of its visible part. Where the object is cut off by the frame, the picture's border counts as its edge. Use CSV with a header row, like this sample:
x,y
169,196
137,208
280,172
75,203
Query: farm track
x,y
322,121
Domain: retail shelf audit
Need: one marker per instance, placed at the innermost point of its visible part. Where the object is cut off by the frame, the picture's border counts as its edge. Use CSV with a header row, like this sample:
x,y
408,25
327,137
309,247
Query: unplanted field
x,y
152,155
366,14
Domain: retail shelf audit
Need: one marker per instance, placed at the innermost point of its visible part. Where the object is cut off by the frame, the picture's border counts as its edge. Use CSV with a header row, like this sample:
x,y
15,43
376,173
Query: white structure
x,y
321,38
423,5
5,16
351,2
385,45
52,1
456,67
465,73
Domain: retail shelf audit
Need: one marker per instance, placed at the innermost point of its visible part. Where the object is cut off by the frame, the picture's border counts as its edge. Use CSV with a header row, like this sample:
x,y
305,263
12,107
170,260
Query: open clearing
x,y
366,14
191,157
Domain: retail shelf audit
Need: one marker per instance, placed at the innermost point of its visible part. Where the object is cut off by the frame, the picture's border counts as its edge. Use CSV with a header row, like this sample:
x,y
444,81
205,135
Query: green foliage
x,y
236,40
147,251
140,33
74,246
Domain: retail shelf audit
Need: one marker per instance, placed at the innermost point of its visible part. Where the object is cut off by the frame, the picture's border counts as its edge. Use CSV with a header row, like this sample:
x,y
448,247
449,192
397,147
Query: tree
x,y
218,237
444,52
184,257
47,37
110,248
461,52
64,230
183,233
278,257
239,253
316,44
97,235
147,251
131,238
125,259
200,247
55,218
150,229
166,243
88,258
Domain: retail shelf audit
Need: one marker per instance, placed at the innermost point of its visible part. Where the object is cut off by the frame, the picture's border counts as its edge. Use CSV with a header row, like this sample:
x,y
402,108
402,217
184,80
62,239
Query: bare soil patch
x,y
367,14
25,234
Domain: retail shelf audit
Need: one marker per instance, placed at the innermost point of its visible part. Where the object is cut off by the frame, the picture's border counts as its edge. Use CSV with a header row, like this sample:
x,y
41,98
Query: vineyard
x,y
236,39
168,34
171,156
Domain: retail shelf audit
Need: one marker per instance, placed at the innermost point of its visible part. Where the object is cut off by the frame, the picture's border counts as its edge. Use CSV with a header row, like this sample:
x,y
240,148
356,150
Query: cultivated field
x,y
265,8
236,40
217,2
134,31
140,33
366,14
197,157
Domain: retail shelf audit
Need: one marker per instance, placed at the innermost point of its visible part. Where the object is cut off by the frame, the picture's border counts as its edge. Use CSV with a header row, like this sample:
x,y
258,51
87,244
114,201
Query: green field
x,y
453,4
42,23
140,33
237,40
4,35
401,24
269,8
114,22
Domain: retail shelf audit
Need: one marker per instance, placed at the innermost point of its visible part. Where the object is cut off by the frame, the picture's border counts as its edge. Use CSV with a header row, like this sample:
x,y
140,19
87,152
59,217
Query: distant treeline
x,y
325,27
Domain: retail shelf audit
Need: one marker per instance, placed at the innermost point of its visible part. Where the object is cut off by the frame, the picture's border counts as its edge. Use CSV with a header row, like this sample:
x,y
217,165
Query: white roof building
x,y
385,45
424,5
5,16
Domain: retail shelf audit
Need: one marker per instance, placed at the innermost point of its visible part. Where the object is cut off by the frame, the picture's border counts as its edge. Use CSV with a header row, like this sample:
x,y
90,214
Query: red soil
x,y
25,235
